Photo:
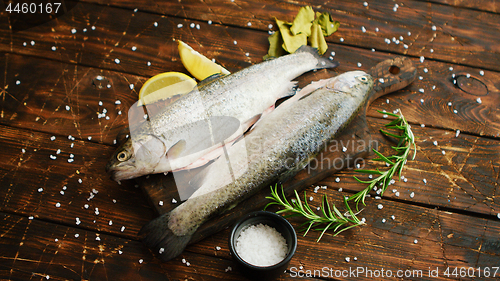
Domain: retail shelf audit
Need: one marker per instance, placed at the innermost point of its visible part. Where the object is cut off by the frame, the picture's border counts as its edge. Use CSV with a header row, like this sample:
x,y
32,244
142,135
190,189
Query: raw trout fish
x,y
180,136
281,144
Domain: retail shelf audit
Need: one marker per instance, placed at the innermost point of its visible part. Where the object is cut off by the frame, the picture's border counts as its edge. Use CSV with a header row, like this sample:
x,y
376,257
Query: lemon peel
x,y
197,64
164,86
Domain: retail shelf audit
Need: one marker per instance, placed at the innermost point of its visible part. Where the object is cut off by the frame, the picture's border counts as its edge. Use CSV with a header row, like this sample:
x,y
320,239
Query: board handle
x,y
391,75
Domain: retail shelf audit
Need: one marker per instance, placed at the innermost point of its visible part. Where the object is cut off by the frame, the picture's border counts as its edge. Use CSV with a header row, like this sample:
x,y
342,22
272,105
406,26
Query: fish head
x,y
136,157
357,83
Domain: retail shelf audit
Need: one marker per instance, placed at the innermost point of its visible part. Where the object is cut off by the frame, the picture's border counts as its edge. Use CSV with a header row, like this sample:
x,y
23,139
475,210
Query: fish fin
x,y
322,61
161,240
210,79
304,92
250,123
288,90
176,149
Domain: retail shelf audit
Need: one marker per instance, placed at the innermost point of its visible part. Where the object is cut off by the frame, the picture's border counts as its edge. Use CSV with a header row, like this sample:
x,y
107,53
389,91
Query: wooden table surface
x,y
68,83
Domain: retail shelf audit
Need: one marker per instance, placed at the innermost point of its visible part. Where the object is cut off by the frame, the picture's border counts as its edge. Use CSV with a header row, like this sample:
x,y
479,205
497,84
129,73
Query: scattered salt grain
x,y
149,63
422,58
415,241
188,264
311,198
228,269
443,152
122,229
198,26
86,206
341,39
380,206
337,179
455,111
384,220
365,4
393,217
117,61
52,138
61,192
155,24
478,100
30,217
53,157
261,245
235,42
73,30
457,133
58,205
381,80
498,215
359,64
344,149
134,48
120,252
160,203
131,86
481,72
161,251
110,222
217,248
141,260
347,259
412,194
425,181
98,238
434,28
363,29
54,48
174,201
77,235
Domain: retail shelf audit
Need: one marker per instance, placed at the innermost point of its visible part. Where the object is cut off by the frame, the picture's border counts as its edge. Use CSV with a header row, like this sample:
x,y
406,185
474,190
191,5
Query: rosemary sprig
x,y
333,220
395,162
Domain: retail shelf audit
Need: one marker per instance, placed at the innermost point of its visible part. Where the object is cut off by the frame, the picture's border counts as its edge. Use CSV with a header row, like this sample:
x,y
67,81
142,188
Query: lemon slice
x,y
197,64
164,86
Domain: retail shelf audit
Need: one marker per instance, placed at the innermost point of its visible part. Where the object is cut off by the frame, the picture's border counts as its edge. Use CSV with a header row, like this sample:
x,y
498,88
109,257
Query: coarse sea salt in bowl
x,y
262,244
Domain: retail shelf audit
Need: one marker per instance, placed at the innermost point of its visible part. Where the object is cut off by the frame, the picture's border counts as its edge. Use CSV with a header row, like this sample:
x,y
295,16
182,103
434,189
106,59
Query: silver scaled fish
x,y
281,144
192,131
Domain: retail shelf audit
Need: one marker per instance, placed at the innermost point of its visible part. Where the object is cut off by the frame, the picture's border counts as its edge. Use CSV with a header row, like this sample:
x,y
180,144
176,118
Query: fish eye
x,y
122,156
363,78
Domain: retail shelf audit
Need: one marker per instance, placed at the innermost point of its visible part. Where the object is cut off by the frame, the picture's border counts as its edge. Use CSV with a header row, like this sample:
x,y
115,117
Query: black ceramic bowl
x,y
272,220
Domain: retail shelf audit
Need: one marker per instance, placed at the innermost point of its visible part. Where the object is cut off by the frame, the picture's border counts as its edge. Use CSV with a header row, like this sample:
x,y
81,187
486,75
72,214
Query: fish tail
x,y
158,237
322,61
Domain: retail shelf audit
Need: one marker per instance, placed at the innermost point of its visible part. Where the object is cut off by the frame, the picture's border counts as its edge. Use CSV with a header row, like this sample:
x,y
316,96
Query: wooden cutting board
x,y
390,75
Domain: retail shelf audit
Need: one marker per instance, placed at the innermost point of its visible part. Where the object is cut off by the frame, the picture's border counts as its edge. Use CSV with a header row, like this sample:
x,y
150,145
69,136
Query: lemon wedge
x,y
164,86
197,64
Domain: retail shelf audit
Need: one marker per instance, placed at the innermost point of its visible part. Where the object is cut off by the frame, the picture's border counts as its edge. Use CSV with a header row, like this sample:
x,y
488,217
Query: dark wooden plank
x,y
104,37
462,36
64,99
444,240
34,184
37,250
483,5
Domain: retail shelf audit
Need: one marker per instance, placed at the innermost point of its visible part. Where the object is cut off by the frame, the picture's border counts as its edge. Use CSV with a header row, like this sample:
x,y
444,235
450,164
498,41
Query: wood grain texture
x,y
483,5
34,184
34,249
70,61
